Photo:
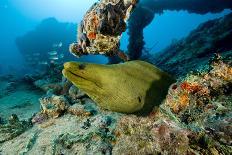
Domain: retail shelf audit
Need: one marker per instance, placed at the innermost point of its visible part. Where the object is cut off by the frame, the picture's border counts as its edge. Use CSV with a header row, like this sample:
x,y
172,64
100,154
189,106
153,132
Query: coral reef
x,y
193,52
88,132
203,101
195,118
130,92
13,128
101,28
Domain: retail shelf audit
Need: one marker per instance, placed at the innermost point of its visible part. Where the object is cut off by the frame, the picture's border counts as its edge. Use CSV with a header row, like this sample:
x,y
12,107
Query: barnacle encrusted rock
x,y
128,87
102,26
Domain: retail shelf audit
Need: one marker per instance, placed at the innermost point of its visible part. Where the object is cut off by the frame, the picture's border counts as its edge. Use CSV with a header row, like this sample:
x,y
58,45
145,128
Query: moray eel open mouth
x,y
128,87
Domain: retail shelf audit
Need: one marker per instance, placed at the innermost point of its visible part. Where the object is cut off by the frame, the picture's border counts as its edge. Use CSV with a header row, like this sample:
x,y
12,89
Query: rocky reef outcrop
x,y
195,118
12,128
101,28
194,52
147,9
53,106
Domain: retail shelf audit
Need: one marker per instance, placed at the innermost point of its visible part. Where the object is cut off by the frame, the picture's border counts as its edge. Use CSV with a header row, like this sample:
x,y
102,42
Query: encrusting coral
x,y
53,105
195,118
101,28
121,87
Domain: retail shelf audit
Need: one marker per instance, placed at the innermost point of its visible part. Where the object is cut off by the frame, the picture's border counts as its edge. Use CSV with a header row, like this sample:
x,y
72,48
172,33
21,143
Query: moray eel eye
x,y
81,66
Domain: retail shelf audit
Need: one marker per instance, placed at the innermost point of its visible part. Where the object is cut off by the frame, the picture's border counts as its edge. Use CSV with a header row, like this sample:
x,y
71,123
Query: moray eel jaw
x,y
77,74
134,86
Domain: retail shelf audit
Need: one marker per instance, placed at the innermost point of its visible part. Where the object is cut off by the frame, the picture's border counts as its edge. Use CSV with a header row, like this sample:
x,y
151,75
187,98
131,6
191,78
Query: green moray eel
x,y
134,86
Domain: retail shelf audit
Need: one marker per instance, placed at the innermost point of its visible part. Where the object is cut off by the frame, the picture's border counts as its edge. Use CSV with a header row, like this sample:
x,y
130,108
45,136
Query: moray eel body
x,y
134,86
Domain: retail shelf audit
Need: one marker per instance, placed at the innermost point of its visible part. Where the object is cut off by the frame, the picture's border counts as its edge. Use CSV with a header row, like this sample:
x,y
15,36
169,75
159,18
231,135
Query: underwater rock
x,y
121,87
85,107
46,86
203,103
75,93
204,88
39,118
146,10
13,128
53,106
193,52
144,135
78,110
31,78
101,28
201,125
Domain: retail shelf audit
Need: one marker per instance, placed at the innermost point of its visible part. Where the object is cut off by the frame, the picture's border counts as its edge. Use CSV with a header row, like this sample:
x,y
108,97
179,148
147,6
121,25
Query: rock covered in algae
x,y
165,130
195,118
129,87
203,101
13,128
53,105
75,93
102,26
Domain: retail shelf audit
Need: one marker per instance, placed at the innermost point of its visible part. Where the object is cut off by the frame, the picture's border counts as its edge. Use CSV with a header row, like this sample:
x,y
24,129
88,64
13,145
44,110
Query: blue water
x,y
18,17
35,36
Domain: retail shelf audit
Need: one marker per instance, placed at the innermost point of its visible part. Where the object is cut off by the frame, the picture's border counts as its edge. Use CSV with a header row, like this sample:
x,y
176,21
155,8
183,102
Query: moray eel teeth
x,y
130,87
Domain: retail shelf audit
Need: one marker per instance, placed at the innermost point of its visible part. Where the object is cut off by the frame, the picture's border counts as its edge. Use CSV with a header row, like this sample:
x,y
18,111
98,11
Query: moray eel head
x,y
134,86
84,76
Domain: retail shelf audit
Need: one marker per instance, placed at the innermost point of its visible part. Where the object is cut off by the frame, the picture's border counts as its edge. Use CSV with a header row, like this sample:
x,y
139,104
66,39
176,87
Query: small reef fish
x,y
57,45
53,58
61,56
52,53
43,63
